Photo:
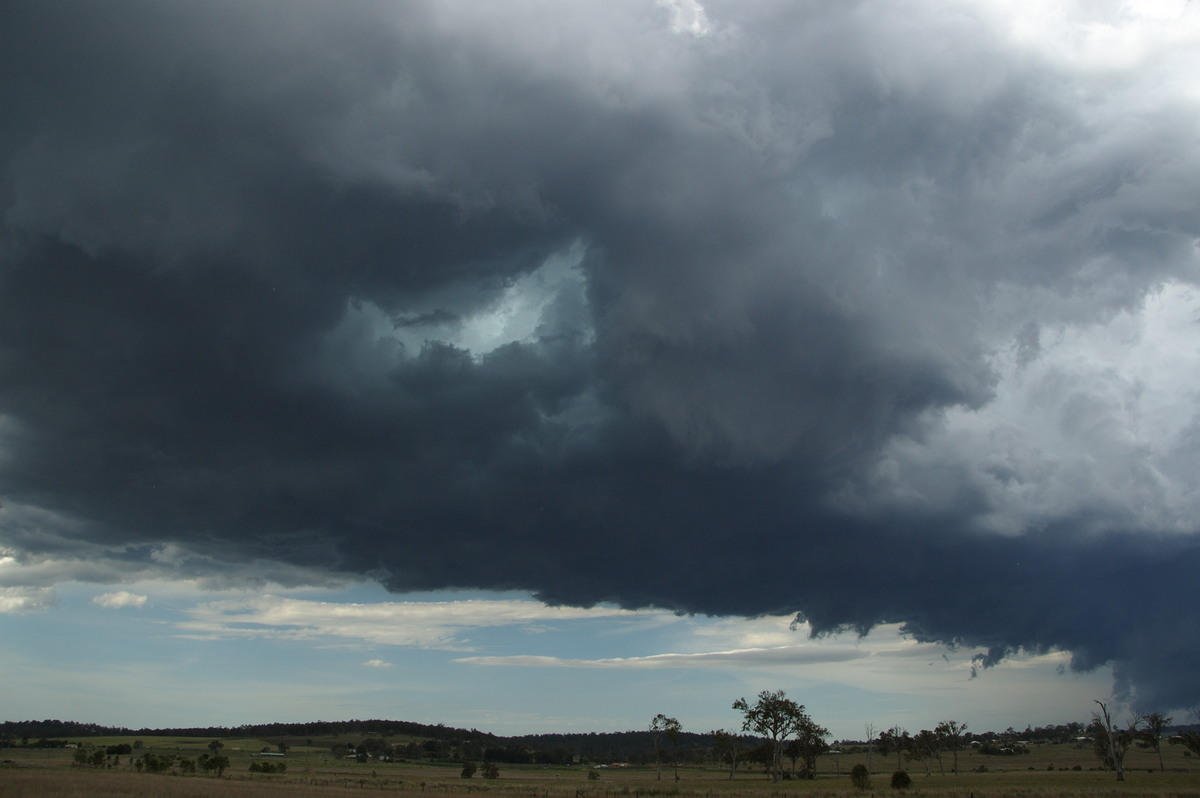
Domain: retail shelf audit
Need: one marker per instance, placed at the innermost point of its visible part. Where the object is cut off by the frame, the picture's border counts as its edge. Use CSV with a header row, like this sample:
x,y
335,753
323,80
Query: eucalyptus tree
x,y
776,717
869,731
1152,732
730,744
810,743
926,745
950,733
662,726
894,741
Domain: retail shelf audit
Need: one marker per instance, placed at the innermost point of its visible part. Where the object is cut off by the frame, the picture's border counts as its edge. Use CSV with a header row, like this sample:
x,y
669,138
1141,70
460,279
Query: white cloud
x,y
768,631
19,569
26,599
119,599
1098,35
416,624
787,647
687,16
785,655
377,663
1088,420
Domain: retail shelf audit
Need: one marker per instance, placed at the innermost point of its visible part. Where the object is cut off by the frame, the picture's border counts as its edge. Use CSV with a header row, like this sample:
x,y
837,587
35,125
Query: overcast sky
x,y
349,345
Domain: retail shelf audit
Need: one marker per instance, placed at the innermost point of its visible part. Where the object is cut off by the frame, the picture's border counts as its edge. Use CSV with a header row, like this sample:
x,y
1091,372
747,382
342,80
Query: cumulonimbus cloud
x,y
720,308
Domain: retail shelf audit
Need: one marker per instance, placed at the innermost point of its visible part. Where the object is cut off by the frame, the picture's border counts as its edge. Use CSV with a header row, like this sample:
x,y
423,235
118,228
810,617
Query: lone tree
x,y
214,760
776,717
869,731
662,726
1112,743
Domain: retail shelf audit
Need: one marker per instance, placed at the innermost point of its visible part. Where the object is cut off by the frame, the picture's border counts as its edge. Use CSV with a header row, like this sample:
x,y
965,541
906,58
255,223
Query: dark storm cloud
x,y
581,301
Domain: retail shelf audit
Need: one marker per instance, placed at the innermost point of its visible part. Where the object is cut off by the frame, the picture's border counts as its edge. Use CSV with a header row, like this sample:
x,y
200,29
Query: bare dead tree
x,y
1112,743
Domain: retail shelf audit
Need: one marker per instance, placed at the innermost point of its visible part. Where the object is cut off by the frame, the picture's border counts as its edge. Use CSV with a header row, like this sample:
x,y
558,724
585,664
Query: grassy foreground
x,y
313,772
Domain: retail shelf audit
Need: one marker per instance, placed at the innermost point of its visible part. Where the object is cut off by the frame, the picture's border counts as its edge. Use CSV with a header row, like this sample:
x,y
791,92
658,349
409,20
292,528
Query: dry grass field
x,y
312,772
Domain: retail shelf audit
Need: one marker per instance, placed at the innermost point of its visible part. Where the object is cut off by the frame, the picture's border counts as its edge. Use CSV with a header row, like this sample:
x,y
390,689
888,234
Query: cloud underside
x,y
867,314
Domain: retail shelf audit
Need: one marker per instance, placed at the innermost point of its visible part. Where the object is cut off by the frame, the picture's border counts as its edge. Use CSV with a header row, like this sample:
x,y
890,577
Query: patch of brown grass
x,y
34,782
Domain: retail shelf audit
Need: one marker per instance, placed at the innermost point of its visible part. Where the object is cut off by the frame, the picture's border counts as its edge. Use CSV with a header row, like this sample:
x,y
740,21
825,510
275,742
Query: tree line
x,y
776,733
387,728
784,729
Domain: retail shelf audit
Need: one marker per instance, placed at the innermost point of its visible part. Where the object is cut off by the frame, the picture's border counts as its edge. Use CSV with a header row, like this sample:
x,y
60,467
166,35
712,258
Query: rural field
x,y
312,770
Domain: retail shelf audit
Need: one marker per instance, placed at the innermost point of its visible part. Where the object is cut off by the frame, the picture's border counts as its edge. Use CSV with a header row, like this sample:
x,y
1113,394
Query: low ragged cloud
x,y
17,599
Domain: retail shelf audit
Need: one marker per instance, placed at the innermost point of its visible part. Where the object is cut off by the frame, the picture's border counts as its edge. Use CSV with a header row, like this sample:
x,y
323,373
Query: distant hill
x,y
440,740
37,729
385,728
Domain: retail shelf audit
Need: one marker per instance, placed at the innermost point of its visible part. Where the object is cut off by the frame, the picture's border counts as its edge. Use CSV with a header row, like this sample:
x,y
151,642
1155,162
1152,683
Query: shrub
x,y
268,767
860,777
218,762
468,770
901,780
593,775
154,764
491,770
